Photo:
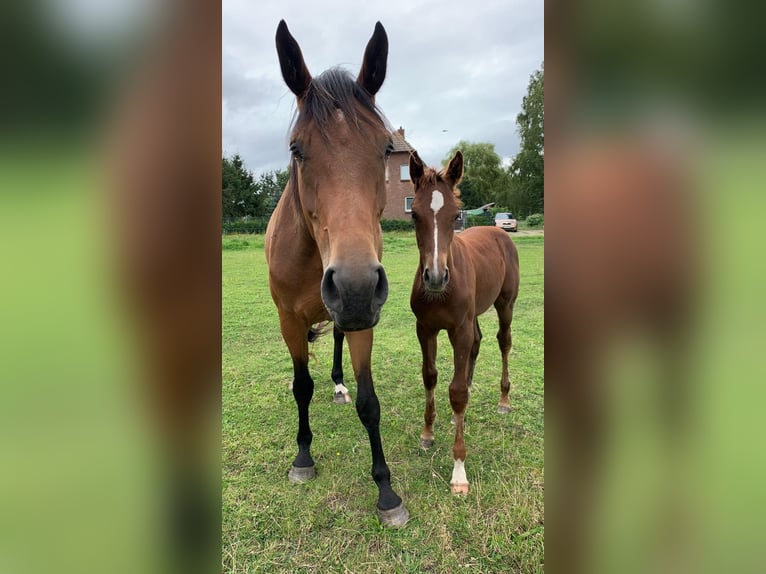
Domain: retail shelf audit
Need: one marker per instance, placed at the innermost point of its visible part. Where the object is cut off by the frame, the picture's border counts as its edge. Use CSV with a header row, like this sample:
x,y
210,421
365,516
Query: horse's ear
x,y
416,167
373,70
455,168
294,70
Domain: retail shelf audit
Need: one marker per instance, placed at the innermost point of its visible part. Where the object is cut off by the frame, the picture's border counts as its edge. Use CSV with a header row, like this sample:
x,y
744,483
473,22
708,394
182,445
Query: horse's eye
x,y
389,149
296,150
457,216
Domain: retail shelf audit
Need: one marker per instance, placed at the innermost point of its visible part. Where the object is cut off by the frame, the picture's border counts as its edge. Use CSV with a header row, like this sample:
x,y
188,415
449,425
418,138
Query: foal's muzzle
x,y
354,296
435,282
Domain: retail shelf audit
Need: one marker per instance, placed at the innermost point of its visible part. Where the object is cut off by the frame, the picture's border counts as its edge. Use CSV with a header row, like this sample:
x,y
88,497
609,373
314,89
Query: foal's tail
x,y
318,330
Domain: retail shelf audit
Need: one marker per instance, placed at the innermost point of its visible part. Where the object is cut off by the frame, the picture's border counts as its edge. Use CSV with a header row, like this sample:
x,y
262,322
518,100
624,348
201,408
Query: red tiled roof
x,y
401,144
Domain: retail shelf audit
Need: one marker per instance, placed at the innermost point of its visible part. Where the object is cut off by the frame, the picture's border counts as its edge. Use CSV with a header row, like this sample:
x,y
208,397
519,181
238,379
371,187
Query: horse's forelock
x,y
431,178
335,90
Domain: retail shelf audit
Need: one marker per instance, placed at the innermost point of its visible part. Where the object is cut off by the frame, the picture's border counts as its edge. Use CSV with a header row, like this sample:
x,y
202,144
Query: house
x,y
399,188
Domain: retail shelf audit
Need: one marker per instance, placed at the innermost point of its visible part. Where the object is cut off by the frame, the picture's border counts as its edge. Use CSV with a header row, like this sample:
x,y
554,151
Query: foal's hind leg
x,y
504,315
340,396
294,333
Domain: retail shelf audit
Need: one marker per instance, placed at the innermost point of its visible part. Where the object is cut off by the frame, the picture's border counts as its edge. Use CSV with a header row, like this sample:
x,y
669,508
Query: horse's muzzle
x,y
354,296
435,282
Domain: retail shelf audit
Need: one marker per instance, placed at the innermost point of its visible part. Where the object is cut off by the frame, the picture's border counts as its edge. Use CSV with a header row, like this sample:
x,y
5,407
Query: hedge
x,y
258,225
250,225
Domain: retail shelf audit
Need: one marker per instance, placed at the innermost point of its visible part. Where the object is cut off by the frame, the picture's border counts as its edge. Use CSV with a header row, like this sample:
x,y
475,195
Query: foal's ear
x,y
416,167
294,70
373,70
455,168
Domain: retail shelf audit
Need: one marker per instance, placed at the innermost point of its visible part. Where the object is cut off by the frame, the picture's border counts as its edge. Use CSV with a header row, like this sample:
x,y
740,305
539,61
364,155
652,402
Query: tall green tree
x,y
527,170
484,180
270,186
239,193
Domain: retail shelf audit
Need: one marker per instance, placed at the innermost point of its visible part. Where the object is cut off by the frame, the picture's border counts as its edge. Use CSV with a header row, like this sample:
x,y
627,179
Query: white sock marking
x,y
458,473
341,389
437,202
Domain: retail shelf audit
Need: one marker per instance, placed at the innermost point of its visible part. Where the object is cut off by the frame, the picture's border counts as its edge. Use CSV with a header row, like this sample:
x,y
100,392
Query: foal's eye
x,y
296,150
389,149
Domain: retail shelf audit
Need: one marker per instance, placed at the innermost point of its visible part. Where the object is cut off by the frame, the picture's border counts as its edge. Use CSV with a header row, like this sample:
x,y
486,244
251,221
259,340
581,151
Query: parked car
x,y
506,221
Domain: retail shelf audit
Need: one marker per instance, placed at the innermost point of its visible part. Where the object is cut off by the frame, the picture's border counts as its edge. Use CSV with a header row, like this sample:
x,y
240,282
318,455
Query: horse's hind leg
x,y
427,341
505,316
294,333
340,396
391,510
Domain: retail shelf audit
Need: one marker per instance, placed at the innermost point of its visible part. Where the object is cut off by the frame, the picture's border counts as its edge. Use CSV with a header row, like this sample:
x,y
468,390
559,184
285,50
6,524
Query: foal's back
x,y
495,262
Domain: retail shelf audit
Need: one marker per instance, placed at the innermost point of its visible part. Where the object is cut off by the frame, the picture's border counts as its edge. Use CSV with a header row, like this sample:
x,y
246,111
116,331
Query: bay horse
x,y
324,241
458,278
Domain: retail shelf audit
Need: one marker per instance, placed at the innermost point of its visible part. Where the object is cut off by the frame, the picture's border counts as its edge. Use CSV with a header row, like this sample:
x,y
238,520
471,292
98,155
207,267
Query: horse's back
x,y
495,261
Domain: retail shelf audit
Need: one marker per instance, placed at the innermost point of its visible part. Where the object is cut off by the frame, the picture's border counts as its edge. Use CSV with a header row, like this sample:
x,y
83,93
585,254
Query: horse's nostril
x,y
446,276
426,275
381,288
330,293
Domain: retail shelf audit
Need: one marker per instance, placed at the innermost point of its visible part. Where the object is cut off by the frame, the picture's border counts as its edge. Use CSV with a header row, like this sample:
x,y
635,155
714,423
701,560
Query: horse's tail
x,y
318,330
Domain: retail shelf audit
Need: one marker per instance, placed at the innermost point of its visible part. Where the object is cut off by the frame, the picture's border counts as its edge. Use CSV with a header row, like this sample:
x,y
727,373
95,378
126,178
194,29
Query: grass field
x,y
330,523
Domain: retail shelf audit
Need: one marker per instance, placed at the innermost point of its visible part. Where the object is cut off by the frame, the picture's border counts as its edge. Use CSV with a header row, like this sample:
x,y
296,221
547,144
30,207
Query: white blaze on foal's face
x,y
437,202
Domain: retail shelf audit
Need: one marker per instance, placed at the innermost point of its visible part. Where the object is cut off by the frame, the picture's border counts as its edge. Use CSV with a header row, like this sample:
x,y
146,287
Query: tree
x,y
239,193
484,180
270,186
527,170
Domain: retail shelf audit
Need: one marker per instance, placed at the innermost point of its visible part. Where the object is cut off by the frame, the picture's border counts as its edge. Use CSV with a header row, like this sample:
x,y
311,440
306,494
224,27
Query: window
x,y
404,172
408,204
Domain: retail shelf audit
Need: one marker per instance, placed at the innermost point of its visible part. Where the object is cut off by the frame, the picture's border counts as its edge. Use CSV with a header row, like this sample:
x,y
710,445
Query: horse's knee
x,y
368,409
430,375
458,396
504,339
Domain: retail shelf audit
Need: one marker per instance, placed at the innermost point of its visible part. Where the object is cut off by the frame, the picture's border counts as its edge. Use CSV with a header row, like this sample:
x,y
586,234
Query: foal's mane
x,y
431,177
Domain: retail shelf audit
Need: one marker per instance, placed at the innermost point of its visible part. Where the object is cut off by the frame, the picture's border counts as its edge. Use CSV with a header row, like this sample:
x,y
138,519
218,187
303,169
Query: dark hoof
x,y
341,398
300,474
503,410
426,442
394,518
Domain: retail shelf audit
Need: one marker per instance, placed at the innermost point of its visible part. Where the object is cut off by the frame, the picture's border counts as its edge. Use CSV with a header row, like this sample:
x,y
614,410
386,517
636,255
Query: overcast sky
x,y
456,69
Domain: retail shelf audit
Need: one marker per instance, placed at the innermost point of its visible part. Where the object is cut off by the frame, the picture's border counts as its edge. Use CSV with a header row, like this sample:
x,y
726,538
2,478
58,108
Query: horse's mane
x,y
335,89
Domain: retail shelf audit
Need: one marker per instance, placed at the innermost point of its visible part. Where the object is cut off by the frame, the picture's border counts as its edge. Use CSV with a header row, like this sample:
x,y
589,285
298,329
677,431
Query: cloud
x,y
455,70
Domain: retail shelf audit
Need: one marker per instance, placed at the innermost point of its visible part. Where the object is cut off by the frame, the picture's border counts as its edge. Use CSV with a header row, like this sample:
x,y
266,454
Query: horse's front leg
x,y
295,334
462,345
391,510
340,396
428,339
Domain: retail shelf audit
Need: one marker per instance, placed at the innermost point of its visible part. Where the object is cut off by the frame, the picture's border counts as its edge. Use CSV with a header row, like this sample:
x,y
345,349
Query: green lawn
x,y
330,524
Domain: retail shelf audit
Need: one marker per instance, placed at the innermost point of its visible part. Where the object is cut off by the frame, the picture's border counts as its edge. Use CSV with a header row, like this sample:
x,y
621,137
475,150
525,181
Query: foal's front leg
x,y
427,339
391,510
462,344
